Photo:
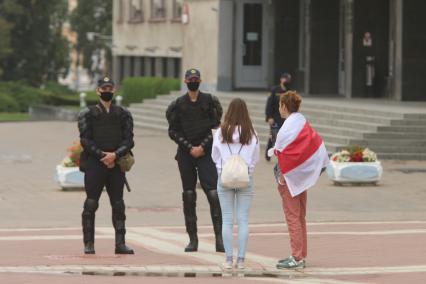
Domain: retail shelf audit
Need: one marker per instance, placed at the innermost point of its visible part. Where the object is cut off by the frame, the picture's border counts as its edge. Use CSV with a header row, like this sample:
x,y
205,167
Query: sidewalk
x,y
362,234
355,252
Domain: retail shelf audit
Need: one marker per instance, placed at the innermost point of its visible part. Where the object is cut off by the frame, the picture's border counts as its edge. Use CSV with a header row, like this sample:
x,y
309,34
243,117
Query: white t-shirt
x,y
221,153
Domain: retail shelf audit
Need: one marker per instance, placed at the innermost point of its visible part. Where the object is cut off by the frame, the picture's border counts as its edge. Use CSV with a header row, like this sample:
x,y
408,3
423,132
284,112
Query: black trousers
x,y
189,167
97,176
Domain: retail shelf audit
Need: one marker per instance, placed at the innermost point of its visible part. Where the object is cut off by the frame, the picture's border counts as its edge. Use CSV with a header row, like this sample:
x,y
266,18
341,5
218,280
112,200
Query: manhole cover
x,y
411,170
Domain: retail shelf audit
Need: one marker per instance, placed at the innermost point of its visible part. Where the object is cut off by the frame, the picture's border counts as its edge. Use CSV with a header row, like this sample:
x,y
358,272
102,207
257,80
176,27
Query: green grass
x,y
14,116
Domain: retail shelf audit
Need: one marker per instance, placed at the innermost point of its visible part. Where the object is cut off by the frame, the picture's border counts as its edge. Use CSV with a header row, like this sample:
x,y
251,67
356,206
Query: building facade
x,y
147,38
349,48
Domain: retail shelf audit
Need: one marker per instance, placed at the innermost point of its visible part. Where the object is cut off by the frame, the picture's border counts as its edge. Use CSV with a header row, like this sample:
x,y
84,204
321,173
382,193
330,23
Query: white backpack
x,y
235,172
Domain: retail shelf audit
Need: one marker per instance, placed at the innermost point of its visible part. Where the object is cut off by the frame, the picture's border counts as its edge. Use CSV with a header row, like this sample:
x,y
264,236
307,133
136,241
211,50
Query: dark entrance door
x,y
370,48
251,48
324,57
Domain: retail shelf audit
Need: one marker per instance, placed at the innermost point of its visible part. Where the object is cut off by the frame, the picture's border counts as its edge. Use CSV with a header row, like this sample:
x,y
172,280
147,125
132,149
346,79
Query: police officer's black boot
x,y
88,223
216,214
118,221
189,203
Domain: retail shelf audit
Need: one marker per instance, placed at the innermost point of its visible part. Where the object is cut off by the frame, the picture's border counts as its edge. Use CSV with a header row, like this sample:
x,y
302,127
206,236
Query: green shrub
x,y
136,89
69,100
58,89
23,95
8,104
14,116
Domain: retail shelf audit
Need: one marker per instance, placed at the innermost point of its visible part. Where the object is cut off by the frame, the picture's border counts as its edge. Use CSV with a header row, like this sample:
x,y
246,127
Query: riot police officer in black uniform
x,y
106,134
191,118
272,113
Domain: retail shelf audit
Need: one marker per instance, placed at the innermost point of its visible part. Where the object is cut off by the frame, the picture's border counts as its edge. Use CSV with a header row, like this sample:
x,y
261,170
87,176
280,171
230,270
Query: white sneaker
x,y
240,265
227,265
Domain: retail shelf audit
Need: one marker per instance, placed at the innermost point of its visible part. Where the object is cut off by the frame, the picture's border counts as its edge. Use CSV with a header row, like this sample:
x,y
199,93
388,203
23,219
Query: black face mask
x,y
106,96
193,86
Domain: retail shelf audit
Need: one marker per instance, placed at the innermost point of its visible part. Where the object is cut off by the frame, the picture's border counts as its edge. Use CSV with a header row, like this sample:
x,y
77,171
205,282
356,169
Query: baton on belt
x,y
127,185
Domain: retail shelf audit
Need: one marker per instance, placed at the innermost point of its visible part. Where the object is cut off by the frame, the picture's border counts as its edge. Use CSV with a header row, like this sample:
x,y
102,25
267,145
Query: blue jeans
x,y
240,199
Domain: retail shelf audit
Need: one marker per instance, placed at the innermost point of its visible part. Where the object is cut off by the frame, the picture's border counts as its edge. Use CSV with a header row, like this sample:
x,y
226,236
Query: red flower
x,y
356,157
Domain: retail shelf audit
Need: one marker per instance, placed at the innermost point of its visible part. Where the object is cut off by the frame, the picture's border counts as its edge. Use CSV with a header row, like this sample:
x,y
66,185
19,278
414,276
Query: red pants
x,y
295,212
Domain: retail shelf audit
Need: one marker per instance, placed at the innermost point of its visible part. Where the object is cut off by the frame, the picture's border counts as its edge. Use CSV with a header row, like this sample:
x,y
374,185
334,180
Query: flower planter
x,y
69,177
354,172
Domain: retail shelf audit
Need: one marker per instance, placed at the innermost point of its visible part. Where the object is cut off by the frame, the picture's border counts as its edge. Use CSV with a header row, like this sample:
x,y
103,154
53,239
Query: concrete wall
x,y
226,46
200,41
156,38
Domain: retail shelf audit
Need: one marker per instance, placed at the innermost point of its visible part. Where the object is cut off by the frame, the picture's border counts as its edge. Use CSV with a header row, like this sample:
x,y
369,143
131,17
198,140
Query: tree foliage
x,y
5,49
93,16
37,50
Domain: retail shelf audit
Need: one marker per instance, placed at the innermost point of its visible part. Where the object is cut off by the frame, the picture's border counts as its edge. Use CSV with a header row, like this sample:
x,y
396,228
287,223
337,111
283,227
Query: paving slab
x,y
357,234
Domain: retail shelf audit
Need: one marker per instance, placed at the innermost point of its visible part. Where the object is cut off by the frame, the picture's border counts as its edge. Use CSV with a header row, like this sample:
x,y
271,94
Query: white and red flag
x,y
301,153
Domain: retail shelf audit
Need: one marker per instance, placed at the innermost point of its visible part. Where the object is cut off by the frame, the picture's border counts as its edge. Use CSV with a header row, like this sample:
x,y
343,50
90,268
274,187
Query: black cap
x,y
105,81
192,73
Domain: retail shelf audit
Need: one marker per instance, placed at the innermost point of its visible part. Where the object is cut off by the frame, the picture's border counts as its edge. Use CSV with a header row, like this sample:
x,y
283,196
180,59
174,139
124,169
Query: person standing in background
x,y
272,113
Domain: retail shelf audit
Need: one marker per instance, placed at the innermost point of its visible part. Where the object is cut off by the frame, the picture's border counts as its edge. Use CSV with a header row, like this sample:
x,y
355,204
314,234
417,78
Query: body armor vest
x,y
107,132
195,118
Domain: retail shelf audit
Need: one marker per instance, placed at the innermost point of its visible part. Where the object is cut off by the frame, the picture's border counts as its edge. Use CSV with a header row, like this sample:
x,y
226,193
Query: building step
x,y
389,142
396,135
391,134
402,156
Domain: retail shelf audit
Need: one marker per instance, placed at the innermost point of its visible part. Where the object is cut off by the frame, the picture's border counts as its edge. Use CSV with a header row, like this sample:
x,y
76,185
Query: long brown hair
x,y
237,115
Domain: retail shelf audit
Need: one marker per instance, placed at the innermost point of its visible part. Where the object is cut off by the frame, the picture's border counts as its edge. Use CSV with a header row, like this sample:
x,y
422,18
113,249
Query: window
x,y
177,9
120,13
122,68
136,11
158,9
153,69
132,66
177,67
142,64
164,71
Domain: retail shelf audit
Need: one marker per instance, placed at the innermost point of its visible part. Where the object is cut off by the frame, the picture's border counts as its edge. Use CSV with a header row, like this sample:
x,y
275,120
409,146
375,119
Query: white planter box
x,y
69,177
355,172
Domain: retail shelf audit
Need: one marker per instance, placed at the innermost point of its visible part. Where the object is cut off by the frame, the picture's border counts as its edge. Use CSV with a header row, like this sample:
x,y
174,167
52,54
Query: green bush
x,y
69,100
8,104
58,89
22,94
136,89
17,96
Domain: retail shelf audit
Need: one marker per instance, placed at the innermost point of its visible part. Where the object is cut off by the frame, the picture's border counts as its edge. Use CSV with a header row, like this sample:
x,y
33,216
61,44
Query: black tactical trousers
x,y
97,176
189,167
204,167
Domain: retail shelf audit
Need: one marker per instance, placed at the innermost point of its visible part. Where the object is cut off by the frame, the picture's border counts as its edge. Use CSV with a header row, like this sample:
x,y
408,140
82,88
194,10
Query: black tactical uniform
x,y
272,111
103,131
190,124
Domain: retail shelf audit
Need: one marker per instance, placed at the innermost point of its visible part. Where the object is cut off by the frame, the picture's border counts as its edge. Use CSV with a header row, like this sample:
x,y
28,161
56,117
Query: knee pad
x,y
91,205
212,196
118,208
189,196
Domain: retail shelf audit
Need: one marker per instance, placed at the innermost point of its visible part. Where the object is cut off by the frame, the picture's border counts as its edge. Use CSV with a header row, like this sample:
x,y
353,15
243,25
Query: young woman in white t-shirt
x,y
235,136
